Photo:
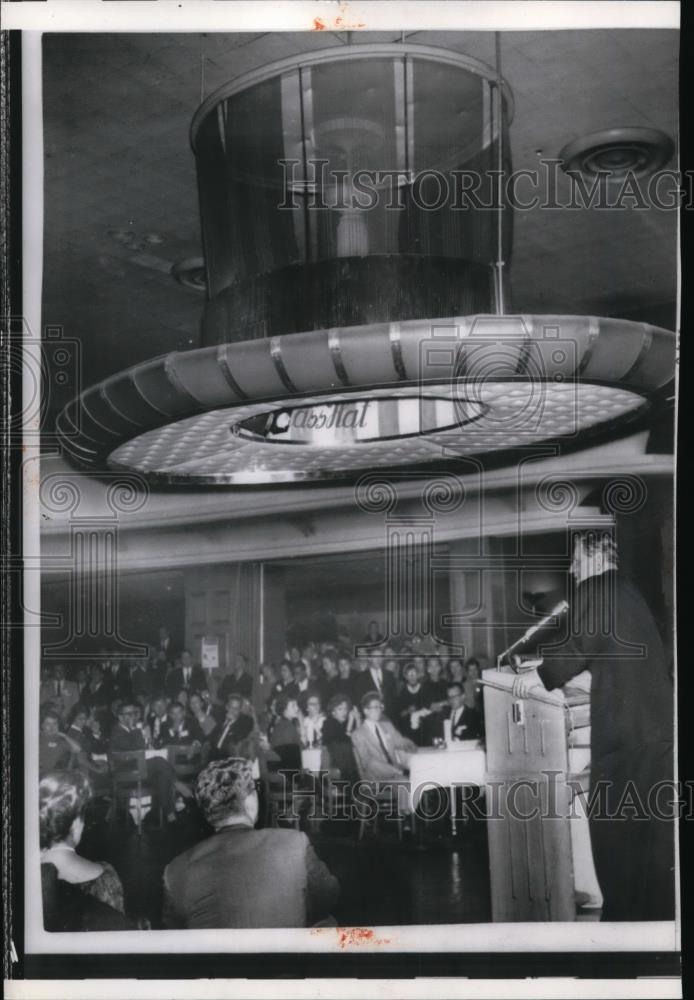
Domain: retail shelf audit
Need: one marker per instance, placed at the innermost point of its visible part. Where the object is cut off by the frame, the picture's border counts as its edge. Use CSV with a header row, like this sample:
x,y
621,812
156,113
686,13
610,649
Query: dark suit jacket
x,y
235,740
123,739
157,731
175,682
231,684
188,734
468,724
118,684
241,877
99,698
143,683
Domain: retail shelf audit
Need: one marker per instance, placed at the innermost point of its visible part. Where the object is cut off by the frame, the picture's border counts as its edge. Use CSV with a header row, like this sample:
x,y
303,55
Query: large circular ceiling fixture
x,y
356,302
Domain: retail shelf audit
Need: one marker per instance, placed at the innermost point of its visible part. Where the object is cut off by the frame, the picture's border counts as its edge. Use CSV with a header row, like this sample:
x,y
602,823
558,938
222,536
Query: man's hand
x,y
524,684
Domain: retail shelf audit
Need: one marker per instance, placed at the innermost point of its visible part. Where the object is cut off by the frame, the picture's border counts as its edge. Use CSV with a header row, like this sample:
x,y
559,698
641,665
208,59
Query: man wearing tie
x,y
231,737
188,676
375,678
157,721
381,751
466,722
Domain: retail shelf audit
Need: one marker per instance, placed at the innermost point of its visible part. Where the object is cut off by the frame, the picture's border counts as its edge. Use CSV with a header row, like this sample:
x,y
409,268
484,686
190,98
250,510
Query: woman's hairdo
x,y
77,710
222,788
410,665
63,796
339,699
282,701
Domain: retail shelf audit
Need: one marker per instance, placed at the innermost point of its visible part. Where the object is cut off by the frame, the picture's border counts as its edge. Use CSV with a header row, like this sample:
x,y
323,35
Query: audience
x,y
305,702
242,877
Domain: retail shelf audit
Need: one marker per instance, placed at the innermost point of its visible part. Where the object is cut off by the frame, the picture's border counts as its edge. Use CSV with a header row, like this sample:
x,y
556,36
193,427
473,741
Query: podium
x,y
529,763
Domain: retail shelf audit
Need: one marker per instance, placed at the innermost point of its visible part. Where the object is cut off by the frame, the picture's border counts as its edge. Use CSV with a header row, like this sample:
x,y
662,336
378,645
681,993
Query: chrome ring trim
x,y
175,379
336,355
103,390
409,334
341,53
82,403
396,351
226,372
646,343
280,367
593,334
145,400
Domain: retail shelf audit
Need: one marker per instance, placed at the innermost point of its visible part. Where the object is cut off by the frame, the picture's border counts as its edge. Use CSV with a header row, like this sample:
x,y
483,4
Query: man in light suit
x,y
382,752
242,877
63,694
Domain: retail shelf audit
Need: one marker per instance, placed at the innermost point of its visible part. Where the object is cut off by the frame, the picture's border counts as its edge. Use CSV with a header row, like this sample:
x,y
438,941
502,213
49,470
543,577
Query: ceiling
x,y
121,197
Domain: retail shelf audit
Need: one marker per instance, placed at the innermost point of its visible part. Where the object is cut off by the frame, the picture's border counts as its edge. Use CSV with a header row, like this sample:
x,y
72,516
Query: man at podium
x,y
613,635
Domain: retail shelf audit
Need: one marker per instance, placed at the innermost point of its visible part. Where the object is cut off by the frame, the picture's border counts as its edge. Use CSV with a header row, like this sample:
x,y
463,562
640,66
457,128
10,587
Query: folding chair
x,y
383,797
186,761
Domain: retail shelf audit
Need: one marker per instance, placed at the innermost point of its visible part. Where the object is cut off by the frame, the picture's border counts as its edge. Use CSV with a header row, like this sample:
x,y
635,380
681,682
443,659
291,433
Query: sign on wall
x,y
209,654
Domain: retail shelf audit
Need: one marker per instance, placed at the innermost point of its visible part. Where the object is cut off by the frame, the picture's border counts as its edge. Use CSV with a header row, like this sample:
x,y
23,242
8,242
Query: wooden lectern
x,y
528,801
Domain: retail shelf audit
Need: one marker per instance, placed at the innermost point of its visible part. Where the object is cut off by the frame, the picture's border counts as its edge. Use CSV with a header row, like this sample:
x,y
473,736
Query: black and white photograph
x,y
349,368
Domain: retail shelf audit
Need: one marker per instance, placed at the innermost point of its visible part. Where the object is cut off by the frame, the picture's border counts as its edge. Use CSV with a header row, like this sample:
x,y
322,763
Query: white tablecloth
x,y
463,763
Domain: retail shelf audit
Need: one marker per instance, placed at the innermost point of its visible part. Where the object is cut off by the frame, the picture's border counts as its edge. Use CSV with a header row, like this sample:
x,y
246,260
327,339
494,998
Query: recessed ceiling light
x,y
618,152
191,273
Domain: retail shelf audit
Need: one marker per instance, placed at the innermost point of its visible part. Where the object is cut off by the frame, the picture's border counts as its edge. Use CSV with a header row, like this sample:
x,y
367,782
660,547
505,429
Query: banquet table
x,y
460,763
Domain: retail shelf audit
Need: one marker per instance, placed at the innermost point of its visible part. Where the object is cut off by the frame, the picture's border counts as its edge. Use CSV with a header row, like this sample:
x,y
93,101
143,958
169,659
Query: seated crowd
x,y
313,698
364,716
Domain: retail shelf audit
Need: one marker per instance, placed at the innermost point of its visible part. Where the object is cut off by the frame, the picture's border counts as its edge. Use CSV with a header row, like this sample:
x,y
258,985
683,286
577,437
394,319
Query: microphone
x,y
550,620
